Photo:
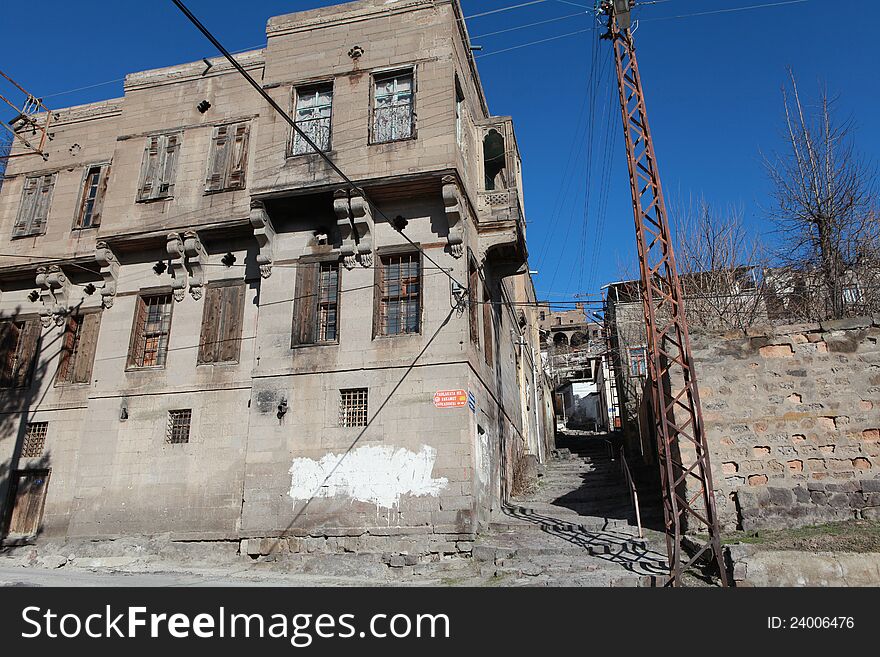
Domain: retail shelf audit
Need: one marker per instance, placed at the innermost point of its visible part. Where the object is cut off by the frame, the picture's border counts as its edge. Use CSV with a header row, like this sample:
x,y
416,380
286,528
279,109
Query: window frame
x,y
18,377
229,170
100,193
345,414
170,426
296,94
131,361
380,76
222,322
43,429
161,167
633,361
311,266
379,291
69,365
30,208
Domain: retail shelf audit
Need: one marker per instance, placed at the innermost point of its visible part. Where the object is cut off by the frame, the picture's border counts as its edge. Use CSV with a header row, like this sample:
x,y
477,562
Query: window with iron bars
x,y
34,439
179,423
393,115
149,345
328,300
353,407
400,289
314,108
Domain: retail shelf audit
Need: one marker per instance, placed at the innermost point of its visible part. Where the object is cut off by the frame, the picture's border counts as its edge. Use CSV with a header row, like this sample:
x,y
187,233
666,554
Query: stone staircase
x,y
576,527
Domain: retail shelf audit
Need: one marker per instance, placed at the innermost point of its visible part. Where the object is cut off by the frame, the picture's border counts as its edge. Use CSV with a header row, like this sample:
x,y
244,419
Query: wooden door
x,y
28,497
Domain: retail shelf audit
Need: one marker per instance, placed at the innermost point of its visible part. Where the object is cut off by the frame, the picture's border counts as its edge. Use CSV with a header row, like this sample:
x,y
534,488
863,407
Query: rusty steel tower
x,y
677,420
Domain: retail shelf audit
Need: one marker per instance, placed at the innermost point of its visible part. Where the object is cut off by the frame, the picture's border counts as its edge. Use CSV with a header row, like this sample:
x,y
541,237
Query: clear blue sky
x,y
712,83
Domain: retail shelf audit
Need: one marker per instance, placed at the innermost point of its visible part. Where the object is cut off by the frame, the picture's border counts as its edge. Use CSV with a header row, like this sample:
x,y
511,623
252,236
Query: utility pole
x,y
677,419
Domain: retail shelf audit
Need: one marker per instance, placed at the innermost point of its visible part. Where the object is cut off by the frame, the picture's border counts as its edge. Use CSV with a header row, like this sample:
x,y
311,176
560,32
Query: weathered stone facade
x,y
266,454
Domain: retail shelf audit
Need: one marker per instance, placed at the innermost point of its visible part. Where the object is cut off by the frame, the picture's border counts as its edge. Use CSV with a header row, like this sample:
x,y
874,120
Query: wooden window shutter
x,y
488,329
305,305
230,328
239,156
85,350
26,209
169,168
210,325
41,207
99,199
473,317
218,161
10,333
150,170
137,331
28,346
68,349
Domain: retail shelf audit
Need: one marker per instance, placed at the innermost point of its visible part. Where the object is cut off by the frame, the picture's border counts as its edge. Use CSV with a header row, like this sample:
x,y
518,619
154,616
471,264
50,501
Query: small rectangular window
x,y
638,361
220,340
459,114
473,304
314,109
179,422
488,328
159,167
152,327
34,439
399,295
353,407
36,197
393,116
852,294
91,200
78,348
227,163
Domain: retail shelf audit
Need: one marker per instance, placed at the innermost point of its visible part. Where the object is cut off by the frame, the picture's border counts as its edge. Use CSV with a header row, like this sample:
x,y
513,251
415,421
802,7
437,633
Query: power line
x,y
726,11
256,85
522,27
498,11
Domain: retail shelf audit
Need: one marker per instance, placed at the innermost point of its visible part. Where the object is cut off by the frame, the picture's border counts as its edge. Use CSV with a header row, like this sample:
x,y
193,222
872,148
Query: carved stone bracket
x,y
455,215
264,232
54,293
109,271
196,257
176,254
355,222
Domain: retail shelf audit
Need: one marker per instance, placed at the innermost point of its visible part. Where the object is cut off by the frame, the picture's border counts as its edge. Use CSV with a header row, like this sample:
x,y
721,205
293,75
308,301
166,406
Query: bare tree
x,y
824,205
721,264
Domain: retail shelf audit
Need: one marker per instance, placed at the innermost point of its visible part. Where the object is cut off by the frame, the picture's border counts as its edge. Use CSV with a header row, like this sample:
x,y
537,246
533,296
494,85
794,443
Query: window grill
x,y
179,423
353,407
328,299
399,308
34,439
314,107
393,108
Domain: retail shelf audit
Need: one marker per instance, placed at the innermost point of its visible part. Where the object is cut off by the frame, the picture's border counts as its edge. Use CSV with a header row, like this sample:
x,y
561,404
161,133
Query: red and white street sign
x,y
450,399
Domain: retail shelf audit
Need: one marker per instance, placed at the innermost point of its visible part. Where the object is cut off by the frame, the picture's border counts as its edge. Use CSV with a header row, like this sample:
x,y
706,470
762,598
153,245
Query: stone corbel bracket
x,y
342,208
355,221
176,256
109,264
362,219
196,258
455,215
264,233
54,293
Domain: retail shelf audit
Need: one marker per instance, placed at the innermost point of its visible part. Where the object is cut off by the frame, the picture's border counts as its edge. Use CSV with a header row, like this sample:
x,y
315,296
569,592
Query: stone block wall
x,y
793,420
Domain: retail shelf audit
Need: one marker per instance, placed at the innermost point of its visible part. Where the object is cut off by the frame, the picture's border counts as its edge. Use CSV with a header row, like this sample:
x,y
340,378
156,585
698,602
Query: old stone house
x,y
206,334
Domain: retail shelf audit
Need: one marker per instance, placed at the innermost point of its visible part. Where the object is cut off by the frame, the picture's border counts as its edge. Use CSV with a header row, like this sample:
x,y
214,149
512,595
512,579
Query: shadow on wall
x,y
25,467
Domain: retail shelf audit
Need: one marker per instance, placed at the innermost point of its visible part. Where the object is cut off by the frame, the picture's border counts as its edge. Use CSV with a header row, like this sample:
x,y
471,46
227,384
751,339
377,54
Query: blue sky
x,y
712,84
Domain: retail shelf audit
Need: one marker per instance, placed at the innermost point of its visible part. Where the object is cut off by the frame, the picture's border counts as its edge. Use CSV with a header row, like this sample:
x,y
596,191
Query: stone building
x,y
206,334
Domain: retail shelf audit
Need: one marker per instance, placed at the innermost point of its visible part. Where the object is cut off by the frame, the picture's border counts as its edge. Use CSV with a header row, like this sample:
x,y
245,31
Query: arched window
x,y
494,161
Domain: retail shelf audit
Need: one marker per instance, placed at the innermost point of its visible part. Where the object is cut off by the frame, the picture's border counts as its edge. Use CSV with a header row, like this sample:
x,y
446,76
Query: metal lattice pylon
x,y
685,471
29,129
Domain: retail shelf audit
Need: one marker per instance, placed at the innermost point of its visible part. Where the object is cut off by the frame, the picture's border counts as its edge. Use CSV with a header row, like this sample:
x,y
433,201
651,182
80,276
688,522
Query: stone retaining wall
x,y
793,420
